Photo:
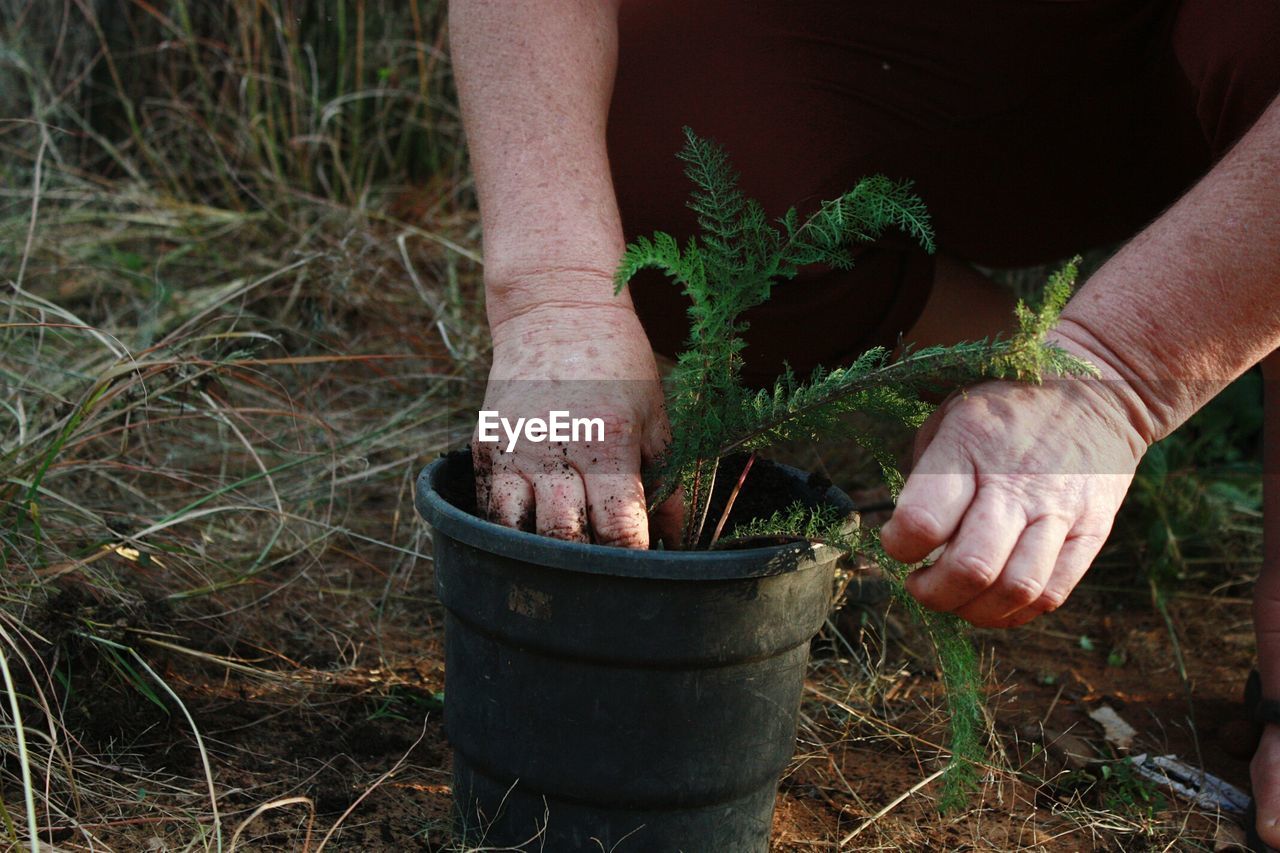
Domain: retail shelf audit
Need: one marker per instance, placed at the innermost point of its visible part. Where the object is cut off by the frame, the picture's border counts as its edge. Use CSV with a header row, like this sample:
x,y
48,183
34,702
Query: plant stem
x,y
733,496
692,541
905,372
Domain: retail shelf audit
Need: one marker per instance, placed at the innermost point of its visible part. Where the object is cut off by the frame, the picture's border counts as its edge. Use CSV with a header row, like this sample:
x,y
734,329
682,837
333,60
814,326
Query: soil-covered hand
x,y
592,362
1018,485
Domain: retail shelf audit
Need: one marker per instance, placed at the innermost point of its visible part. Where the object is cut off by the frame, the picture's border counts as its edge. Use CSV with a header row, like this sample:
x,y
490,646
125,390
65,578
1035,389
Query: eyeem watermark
x,y
558,426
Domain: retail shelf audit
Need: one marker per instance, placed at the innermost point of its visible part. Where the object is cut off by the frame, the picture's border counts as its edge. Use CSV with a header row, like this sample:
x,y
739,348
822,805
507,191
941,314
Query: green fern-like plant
x,y
732,266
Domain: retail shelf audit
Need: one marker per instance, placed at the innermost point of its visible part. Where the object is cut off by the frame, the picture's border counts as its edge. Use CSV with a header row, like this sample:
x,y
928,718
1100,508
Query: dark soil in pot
x,y
768,488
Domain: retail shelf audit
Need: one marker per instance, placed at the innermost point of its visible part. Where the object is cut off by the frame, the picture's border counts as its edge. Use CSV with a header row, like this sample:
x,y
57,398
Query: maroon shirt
x,y
1033,129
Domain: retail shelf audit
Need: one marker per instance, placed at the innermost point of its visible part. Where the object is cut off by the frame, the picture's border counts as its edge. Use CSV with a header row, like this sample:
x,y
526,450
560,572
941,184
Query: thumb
x,y
933,501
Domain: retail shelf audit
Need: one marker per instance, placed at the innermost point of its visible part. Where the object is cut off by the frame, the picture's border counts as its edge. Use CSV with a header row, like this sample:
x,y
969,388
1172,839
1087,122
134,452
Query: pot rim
x,y
588,558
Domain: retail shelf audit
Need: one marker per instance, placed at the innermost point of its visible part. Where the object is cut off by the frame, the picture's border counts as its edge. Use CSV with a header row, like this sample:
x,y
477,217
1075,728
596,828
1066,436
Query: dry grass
x,y
239,315
237,246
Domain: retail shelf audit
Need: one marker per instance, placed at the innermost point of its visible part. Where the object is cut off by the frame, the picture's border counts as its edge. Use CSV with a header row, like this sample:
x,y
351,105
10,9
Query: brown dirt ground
x,y
343,712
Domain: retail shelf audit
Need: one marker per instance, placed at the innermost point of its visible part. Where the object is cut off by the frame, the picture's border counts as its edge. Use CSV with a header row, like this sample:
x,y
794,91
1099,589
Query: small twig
x,y
276,804
1054,704
893,805
110,824
367,791
733,496
710,490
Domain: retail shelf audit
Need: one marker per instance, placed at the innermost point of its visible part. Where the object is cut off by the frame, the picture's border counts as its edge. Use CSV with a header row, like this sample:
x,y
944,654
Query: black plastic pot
x,y
603,698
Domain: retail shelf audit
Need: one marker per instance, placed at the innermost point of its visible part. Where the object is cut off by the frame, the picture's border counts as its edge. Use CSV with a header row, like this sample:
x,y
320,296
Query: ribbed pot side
x,y
603,698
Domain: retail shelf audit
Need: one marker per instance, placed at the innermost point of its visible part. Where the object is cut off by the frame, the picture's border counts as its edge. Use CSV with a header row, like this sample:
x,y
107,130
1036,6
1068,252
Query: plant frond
x,y
816,524
1028,356
859,216
961,676
660,252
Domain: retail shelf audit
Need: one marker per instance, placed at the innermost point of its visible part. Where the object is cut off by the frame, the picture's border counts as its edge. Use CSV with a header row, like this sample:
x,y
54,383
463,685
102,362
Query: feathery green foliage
x,y
961,678
731,266
816,524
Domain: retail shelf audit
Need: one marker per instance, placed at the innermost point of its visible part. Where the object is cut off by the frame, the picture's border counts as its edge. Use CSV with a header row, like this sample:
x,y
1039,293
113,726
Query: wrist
x,y
1117,381
541,291
566,321
557,340
563,311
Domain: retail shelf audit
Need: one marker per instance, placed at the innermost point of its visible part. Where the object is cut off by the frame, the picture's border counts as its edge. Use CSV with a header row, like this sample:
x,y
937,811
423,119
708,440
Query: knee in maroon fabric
x,y
1229,51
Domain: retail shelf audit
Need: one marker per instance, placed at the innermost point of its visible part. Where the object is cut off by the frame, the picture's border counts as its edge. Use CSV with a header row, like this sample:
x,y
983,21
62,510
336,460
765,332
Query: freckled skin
x,y
604,370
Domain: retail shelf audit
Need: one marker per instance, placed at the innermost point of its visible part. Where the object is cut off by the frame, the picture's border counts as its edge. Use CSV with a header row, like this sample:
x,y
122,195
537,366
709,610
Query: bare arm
x,y
1021,484
535,79
1184,309
1194,300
